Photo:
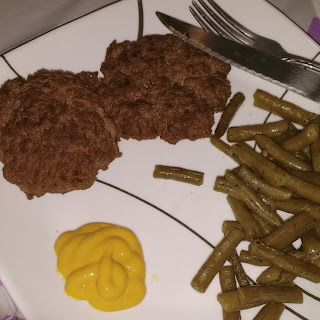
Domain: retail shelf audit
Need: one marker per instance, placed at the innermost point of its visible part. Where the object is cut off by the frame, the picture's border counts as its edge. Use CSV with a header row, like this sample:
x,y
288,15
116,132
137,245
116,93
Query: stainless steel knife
x,y
290,76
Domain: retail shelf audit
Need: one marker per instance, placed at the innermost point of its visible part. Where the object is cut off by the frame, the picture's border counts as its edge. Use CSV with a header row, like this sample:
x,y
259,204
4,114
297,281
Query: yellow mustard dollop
x,y
102,263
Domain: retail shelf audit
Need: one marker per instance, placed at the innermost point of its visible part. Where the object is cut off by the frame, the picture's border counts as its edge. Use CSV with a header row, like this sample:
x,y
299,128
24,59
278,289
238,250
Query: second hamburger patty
x,y
162,86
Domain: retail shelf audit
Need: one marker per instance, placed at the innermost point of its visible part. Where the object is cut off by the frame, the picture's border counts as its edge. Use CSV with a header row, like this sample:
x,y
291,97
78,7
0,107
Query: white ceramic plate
x,y
28,229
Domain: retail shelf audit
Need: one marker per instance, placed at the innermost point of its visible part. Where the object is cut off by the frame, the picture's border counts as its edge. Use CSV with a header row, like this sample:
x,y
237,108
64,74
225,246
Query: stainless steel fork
x,y
214,19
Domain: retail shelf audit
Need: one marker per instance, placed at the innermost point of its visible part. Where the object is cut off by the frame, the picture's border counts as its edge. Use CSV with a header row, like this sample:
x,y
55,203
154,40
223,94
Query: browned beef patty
x,y
54,136
162,86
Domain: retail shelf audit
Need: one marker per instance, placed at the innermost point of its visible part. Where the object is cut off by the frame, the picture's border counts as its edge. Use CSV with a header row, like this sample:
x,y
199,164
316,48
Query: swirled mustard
x,y
102,263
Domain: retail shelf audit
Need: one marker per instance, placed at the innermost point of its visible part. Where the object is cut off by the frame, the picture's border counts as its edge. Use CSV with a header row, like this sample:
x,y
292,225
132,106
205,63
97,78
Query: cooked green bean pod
x,y
285,261
247,297
221,145
221,185
217,259
311,246
289,231
247,257
275,175
261,186
230,302
310,176
252,199
266,227
317,228
316,120
275,276
228,283
285,278
303,138
271,311
280,154
304,189
239,272
295,206
228,224
307,151
269,201
178,174
268,275
265,294
315,155
282,108
248,132
243,215
291,132
228,114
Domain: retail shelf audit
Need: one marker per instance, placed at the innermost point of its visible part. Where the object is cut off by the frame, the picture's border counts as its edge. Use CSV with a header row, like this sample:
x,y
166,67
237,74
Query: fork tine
x,y
232,21
199,19
205,21
222,27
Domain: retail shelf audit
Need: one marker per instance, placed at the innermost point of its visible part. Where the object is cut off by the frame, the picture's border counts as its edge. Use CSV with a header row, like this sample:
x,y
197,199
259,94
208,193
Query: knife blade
x,y
292,77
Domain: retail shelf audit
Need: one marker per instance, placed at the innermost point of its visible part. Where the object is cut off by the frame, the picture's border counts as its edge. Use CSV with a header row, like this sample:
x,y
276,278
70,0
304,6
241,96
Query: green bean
x,y
243,215
228,283
285,278
280,154
217,259
252,199
247,297
311,246
265,294
307,152
291,132
309,176
228,224
268,275
271,311
247,257
220,145
275,276
221,185
315,155
302,139
266,227
316,120
295,206
284,109
178,174
264,167
304,189
229,113
317,228
269,201
289,231
230,302
239,272
248,132
261,186
285,261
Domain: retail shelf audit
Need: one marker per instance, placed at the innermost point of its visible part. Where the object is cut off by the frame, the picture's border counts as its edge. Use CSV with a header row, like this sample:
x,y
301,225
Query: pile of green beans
x,y
283,173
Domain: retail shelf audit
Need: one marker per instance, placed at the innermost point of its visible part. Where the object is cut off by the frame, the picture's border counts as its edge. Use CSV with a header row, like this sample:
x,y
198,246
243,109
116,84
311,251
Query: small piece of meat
x,y
54,136
162,86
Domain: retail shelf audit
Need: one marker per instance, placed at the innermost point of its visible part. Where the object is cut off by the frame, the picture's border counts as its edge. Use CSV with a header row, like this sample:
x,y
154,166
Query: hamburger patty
x,y
162,86
54,136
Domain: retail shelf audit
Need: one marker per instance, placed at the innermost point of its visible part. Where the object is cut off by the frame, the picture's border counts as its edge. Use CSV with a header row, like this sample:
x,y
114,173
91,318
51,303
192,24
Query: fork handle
x,y
311,65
